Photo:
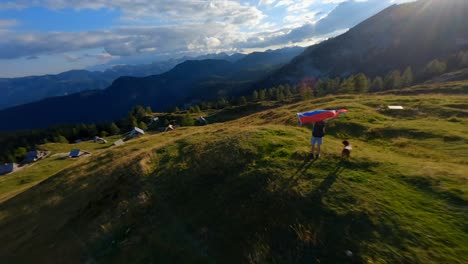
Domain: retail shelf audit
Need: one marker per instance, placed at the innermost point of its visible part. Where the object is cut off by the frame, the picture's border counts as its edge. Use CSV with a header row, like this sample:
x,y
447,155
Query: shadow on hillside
x,y
326,184
306,165
200,206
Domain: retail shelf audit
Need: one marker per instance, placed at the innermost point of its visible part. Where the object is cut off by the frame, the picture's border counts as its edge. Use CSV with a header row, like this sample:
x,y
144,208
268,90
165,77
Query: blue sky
x,y
50,36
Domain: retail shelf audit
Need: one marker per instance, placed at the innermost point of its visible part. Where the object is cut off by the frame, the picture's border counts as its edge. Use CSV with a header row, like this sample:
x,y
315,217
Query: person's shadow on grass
x,y
329,180
292,180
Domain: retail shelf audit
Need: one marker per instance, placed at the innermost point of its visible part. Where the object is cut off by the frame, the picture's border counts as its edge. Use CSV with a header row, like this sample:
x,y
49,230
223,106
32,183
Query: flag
x,y
318,115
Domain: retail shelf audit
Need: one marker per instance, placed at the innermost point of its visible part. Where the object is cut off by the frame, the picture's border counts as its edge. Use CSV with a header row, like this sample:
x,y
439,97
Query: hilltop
x,y
243,190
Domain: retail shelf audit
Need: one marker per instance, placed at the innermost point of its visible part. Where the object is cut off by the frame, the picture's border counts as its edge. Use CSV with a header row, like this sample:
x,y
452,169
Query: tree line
x,y
14,146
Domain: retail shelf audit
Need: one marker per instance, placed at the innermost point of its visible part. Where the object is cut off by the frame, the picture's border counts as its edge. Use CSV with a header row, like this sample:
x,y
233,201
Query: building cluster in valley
x,y
31,157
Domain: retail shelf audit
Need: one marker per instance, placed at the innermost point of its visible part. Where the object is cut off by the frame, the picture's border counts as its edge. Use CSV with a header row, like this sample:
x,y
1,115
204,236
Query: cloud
x,y
71,57
266,2
7,23
223,32
229,11
123,41
344,16
103,57
32,58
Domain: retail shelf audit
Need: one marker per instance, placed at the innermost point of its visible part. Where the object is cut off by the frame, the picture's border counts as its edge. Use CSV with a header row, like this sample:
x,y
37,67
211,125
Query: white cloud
x,y
193,26
298,20
285,3
266,2
229,11
102,57
300,6
71,57
123,41
7,23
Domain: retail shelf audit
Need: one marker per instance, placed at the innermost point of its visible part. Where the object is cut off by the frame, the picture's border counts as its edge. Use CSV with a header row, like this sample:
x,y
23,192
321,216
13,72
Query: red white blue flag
x,y
319,115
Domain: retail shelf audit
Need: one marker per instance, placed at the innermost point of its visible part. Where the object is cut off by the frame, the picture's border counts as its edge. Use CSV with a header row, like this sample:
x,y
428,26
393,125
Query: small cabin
x,y
33,156
8,168
74,153
118,142
100,140
136,132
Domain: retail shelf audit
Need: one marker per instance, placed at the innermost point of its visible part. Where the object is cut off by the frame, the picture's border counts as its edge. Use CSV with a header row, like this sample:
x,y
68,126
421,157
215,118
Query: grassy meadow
x,y
56,161
243,190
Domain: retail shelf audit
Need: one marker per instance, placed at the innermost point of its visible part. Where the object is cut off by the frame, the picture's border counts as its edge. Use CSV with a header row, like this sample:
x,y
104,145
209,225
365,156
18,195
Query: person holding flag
x,y
318,132
318,117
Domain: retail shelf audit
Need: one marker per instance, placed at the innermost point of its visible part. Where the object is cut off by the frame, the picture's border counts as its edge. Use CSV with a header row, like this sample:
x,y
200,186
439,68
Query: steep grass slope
x,y
243,191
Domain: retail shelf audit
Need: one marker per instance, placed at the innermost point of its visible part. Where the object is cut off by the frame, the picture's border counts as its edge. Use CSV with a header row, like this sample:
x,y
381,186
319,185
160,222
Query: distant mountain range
x,y
192,80
404,35
17,91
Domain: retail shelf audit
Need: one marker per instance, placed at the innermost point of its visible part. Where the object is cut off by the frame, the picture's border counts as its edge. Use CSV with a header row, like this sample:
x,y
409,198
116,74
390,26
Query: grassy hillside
x,y
56,161
244,191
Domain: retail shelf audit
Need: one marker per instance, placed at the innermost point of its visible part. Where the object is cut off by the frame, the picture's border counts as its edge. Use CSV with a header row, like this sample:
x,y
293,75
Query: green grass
x,y
25,178
243,191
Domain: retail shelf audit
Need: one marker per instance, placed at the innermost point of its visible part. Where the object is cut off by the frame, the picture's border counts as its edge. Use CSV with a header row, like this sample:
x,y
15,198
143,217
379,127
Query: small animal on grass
x,y
346,150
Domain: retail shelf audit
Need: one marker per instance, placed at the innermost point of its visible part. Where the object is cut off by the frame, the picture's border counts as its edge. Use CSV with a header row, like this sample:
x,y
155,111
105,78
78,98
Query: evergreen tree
x,y
60,139
347,86
271,93
434,68
407,77
320,88
196,109
176,109
281,88
103,133
294,89
255,96
377,85
305,91
279,95
130,122
139,112
114,129
187,120
148,110
222,103
288,94
462,59
392,80
142,125
204,105
91,130
262,95
243,100
361,83
333,85
20,153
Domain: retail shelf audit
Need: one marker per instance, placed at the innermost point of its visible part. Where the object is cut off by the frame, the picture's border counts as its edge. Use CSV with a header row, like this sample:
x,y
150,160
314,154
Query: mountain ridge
x,y
27,89
190,80
402,35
